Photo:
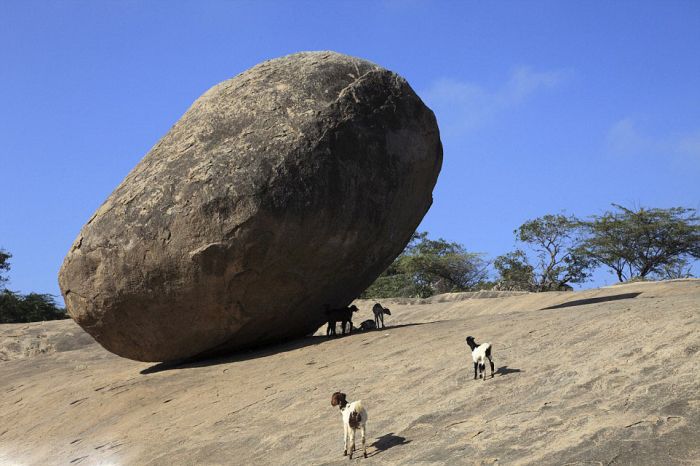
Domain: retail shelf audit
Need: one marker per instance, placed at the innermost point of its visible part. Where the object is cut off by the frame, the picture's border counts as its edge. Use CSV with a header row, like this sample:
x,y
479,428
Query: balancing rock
x,y
287,188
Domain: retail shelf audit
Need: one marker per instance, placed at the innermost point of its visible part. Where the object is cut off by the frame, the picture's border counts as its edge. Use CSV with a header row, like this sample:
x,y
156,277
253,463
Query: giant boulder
x,y
286,188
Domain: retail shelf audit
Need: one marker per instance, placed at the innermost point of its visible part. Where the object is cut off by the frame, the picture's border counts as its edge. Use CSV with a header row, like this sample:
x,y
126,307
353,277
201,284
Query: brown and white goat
x,y
354,417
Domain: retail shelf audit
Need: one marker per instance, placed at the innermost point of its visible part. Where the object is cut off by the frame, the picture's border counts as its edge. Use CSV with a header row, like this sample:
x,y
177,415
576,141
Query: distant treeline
x,y
557,251
18,308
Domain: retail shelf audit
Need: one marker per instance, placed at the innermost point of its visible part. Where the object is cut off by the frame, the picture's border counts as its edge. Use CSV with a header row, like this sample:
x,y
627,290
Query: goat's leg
x,y
381,317
345,440
364,444
475,365
352,441
491,362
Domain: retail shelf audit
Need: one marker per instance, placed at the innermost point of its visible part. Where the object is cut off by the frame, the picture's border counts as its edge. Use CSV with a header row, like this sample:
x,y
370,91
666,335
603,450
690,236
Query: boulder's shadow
x,y
505,370
387,441
241,355
244,355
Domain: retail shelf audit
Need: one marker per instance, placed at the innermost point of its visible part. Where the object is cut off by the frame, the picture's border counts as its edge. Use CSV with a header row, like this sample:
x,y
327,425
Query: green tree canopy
x,y
680,268
17,308
555,241
33,307
515,272
427,267
643,242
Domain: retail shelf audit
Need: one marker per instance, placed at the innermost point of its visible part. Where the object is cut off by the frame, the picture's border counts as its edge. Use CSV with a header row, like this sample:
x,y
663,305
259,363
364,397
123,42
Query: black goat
x,y
379,312
368,325
342,315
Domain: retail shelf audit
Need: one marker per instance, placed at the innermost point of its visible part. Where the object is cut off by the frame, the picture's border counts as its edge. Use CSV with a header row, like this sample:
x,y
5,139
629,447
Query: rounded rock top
x,y
281,191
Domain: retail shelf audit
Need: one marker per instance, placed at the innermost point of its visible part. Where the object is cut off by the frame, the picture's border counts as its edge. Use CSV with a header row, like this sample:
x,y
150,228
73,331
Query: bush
x,y
17,308
428,267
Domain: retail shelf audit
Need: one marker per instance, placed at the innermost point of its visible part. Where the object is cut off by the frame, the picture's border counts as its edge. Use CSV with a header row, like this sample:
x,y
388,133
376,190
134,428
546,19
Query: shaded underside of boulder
x,y
288,187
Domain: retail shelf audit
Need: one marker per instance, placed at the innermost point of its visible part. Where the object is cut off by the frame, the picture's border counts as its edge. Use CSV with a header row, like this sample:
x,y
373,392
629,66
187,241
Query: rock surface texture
x,y
290,186
597,377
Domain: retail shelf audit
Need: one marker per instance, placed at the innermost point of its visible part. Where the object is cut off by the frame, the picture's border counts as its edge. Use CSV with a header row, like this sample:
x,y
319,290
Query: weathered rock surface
x,y
611,378
290,186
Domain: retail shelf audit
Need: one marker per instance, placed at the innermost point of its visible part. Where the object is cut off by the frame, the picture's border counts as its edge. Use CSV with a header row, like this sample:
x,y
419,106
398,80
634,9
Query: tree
x,y
643,242
4,266
393,282
438,266
556,243
680,268
515,272
34,307
427,267
17,308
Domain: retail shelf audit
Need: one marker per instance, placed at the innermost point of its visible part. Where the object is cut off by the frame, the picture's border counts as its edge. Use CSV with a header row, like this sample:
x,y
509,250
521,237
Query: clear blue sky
x,y
543,106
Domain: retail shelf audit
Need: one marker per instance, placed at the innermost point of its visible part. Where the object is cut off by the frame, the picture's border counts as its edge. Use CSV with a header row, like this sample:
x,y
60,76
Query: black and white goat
x,y
480,353
379,312
354,417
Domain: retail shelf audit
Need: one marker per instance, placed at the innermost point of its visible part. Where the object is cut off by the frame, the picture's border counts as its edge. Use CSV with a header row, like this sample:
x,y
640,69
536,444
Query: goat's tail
x,y
488,350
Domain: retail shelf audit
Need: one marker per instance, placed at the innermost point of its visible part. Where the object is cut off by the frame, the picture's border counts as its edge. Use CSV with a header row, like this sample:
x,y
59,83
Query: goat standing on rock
x,y
480,353
354,417
379,312
342,315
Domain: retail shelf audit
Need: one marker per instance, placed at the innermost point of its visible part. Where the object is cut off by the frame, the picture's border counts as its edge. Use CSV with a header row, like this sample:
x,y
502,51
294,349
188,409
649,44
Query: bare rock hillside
x,y
605,376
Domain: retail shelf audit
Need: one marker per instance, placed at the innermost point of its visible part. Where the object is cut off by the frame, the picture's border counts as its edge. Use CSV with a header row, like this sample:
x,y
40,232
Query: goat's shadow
x,y
244,355
600,299
387,441
505,370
